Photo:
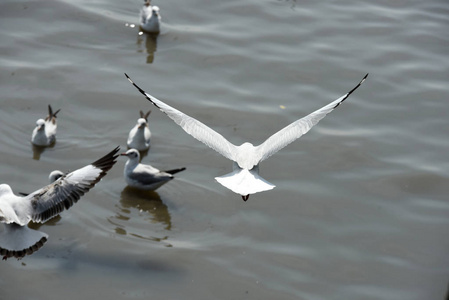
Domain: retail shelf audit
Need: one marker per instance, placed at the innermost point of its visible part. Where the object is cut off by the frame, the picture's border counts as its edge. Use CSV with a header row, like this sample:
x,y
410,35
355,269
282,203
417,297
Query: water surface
x,y
360,208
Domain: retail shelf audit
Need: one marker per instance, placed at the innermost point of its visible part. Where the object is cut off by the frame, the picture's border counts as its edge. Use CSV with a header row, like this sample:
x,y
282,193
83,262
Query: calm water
x,y
360,210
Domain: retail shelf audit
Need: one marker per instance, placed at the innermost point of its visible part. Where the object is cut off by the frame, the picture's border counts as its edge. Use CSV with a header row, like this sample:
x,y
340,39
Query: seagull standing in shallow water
x,y
150,18
145,177
245,178
16,239
139,136
44,134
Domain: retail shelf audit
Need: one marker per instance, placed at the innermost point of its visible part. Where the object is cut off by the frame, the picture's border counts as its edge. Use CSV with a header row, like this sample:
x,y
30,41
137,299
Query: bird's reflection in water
x,y
52,222
38,150
150,44
146,204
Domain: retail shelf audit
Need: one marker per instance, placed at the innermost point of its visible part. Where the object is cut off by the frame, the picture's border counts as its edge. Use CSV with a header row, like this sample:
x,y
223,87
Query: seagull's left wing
x,y
67,190
193,127
296,129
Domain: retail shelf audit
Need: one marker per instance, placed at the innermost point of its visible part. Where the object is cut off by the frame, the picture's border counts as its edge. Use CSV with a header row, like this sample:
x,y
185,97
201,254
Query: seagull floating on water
x,y
55,175
16,239
139,136
245,178
150,18
44,134
145,177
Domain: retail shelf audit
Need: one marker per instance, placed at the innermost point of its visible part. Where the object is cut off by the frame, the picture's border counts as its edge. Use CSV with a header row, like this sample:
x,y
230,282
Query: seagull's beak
x,y
123,154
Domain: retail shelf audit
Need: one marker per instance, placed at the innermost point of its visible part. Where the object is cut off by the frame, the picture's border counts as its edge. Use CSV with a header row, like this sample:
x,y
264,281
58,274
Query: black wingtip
x,y
359,84
145,115
351,91
174,171
106,162
52,114
141,91
55,113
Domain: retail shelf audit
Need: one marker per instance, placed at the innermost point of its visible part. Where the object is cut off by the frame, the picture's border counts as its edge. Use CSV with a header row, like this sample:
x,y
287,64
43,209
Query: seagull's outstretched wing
x,y
67,190
296,129
193,127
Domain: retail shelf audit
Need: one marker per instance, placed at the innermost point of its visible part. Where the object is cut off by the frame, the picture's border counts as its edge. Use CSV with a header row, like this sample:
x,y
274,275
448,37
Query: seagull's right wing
x,y
193,127
52,199
298,128
51,116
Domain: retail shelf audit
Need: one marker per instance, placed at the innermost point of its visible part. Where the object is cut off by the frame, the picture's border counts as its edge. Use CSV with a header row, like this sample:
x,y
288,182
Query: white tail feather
x,y
14,237
244,182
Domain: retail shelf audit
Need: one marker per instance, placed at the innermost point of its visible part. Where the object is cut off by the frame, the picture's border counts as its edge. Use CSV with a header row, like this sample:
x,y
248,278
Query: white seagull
x,y
139,136
16,239
245,179
150,18
145,177
44,134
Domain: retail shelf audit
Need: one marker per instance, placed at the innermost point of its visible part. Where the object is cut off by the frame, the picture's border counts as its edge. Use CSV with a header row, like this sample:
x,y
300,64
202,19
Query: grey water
x,y
360,209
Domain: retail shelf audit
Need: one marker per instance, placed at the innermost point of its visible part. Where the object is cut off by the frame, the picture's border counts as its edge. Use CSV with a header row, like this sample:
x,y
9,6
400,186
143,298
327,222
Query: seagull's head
x,y
5,189
141,123
40,124
147,2
132,154
55,175
156,10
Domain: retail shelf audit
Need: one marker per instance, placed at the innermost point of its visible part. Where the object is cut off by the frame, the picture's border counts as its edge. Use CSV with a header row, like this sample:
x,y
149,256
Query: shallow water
x,y
360,210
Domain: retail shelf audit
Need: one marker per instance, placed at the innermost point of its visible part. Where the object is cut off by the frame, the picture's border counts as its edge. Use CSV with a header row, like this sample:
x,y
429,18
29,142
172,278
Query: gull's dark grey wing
x,y
67,190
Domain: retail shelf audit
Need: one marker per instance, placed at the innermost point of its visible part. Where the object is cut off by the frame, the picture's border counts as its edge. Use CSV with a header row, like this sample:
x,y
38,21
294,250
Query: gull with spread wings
x,y
245,178
16,239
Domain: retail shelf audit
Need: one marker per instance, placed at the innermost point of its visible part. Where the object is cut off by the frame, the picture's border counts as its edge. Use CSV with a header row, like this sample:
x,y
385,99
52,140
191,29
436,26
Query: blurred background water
x,y
360,210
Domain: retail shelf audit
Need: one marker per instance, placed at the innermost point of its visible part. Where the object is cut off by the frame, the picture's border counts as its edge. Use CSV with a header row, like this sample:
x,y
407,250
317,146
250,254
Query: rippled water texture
x,y
360,209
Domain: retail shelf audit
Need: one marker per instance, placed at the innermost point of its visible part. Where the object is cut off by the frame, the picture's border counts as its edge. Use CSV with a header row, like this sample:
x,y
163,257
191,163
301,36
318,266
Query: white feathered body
x,y
144,177
44,134
139,136
244,181
150,19
13,209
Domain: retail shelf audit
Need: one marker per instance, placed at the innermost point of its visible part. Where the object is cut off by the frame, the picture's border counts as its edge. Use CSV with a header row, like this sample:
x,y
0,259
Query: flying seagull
x,y
245,178
16,239
145,177
44,134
